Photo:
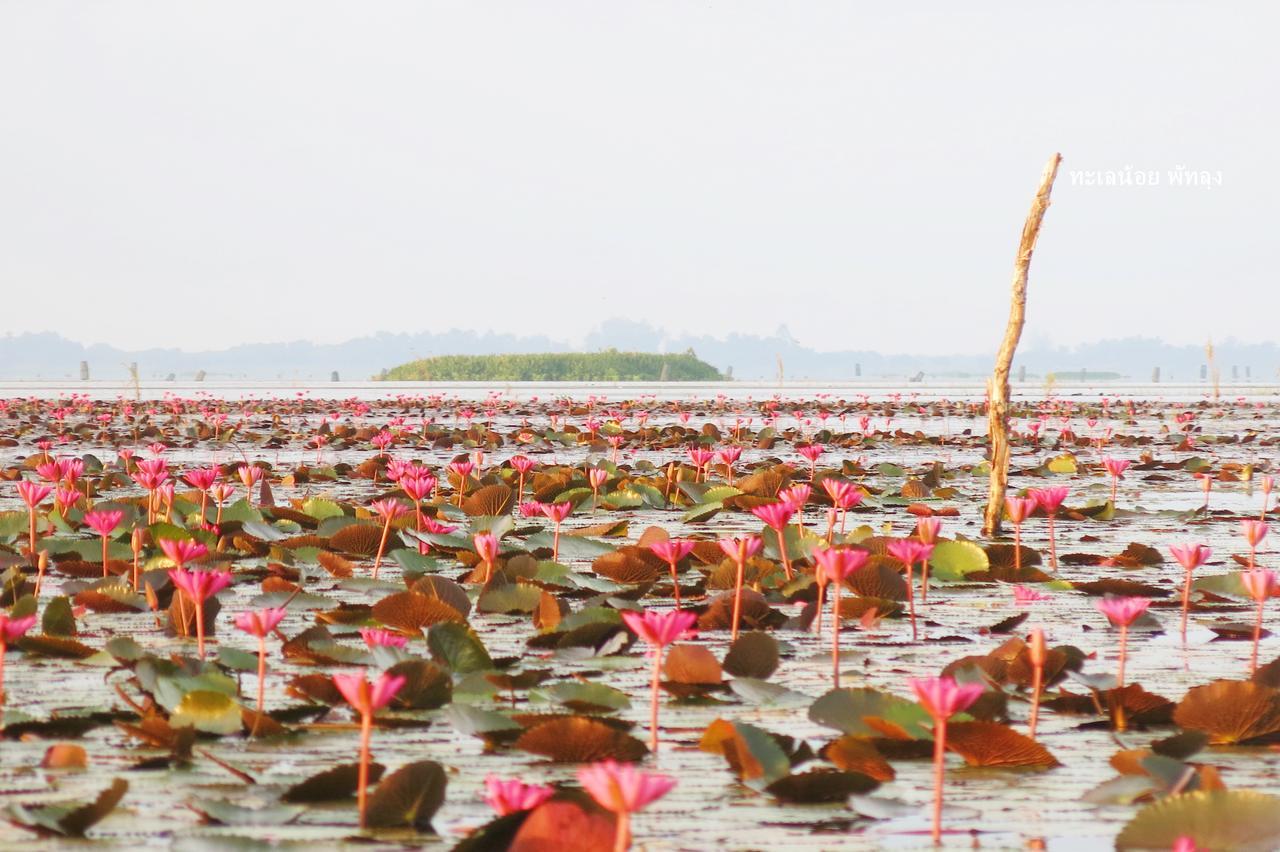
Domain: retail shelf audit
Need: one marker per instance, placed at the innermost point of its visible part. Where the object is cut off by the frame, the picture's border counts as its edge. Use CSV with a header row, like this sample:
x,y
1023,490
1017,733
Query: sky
x,y
203,174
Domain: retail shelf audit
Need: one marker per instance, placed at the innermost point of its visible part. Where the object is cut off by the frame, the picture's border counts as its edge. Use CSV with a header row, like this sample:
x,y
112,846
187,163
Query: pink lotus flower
x,y
1260,584
1123,612
796,496
556,513
522,465
388,509
812,452
834,565
182,550
844,496
250,475
199,586
33,494
531,509
11,630
729,457
1190,557
659,629
1116,469
1051,499
623,789
740,550
1023,595
486,544
376,637
260,624
367,699
1254,532
104,522
908,551
202,479
777,516
942,698
701,457
513,795
1019,509
461,470
671,551
927,530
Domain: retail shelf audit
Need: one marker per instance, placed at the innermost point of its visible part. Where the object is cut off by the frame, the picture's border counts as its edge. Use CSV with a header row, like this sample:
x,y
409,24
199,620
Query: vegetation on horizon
x,y
609,365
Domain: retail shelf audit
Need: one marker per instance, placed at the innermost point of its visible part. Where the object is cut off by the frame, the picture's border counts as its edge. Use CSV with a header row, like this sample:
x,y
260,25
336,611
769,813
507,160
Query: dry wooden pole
x,y
998,384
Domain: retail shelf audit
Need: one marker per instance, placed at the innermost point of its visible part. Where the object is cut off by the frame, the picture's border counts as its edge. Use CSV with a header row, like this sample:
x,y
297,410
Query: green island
x,y
609,365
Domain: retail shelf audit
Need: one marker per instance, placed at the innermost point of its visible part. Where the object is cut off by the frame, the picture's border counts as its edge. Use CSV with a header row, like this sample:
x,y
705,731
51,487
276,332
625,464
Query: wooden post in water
x,y
998,384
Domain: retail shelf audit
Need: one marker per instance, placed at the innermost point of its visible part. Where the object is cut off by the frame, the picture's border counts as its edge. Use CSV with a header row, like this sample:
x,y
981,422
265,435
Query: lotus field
x,y
599,623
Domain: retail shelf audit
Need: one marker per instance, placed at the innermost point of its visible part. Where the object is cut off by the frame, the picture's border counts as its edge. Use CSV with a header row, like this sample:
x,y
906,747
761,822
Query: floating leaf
x,y
820,786
1219,819
578,739
333,785
71,820
413,610
210,712
1231,711
753,654
992,744
410,796
752,753
564,826
851,710
456,646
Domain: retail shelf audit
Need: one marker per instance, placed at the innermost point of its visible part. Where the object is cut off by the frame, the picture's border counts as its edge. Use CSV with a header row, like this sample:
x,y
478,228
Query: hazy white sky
x,y
204,174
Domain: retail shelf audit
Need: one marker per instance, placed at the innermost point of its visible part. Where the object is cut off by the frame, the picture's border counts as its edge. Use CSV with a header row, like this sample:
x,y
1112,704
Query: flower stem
x,y
835,633
653,700
622,834
939,769
262,680
362,778
1257,634
1124,641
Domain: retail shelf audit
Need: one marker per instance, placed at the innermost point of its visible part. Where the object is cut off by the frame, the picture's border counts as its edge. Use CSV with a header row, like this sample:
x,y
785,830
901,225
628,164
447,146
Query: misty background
x,y
832,183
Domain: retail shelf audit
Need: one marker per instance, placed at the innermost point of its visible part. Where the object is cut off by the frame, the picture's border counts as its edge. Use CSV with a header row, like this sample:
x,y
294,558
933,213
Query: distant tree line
x,y
607,366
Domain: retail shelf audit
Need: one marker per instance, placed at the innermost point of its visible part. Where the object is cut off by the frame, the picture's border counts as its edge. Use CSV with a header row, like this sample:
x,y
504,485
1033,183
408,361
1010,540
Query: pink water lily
x,y
104,522
844,496
522,464
834,565
1254,532
556,513
11,630
776,516
260,624
623,789
942,698
671,551
513,795
486,545
1123,612
388,509
909,551
812,452
366,698
199,586
1051,500
659,629
1018,510
1260,584
377,637
1115,468
1023,595
33,494
183,550
1190,557
739,550
927,530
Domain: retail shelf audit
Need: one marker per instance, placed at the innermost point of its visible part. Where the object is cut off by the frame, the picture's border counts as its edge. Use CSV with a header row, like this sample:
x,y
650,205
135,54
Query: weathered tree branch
x,y
998,384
